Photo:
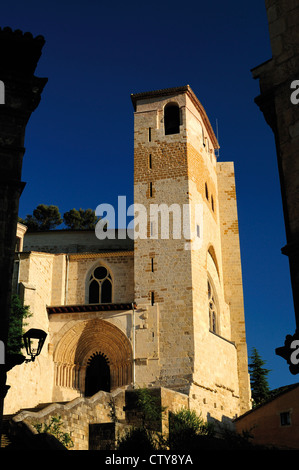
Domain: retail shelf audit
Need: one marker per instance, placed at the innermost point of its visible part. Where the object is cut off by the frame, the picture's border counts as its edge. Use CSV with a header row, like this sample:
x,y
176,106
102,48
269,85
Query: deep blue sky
x,y
79,141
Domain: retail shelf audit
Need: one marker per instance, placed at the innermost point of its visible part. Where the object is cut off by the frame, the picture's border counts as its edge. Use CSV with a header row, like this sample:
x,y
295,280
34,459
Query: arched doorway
x,y
97,375
75,357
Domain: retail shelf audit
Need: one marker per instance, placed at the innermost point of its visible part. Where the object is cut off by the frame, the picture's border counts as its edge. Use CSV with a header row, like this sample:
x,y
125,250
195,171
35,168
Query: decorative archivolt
x,y
79,344
84,338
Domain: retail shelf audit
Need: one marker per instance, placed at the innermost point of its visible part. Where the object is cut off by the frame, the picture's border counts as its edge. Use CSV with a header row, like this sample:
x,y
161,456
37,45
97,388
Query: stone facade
x,y
173,312
183,171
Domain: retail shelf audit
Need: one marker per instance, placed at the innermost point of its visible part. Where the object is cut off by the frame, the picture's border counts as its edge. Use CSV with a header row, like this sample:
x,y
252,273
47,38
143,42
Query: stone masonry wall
x,y
232,273
182,169
77,415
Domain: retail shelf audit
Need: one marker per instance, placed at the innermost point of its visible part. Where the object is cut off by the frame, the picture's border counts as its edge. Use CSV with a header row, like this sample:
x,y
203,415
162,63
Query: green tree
x,y
43,218
258,378
82,219
18,312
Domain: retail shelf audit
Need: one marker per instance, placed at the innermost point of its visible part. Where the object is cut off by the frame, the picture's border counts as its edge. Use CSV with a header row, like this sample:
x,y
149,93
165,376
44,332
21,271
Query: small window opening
x,y
18,244
212,309
151,229
150,161
285,418
152,298
152,264
172,119
198,231
149,134
206,191
151,189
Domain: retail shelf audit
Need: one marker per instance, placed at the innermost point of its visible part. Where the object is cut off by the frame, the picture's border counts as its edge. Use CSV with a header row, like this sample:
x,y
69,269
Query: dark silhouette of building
x,y
278,100
20,53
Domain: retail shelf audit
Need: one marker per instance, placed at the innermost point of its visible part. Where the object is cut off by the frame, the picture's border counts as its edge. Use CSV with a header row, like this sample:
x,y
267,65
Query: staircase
x,y
86,419
7,438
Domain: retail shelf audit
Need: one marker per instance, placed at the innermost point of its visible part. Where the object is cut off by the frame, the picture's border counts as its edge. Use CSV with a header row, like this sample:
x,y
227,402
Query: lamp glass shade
x,y
34,340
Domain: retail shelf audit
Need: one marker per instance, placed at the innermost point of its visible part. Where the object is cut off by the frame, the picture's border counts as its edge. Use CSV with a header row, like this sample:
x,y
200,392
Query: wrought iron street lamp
x,y
34,340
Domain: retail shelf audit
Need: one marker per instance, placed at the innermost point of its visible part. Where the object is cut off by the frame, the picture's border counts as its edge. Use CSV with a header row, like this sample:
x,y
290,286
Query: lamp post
x,y
33,340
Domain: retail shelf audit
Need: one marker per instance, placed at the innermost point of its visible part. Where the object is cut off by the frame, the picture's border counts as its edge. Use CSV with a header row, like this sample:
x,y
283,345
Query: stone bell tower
x,y
182,270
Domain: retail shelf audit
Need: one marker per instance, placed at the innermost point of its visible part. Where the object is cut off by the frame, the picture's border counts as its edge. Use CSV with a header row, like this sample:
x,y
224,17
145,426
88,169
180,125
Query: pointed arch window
x,y
212,308
100,286
172,119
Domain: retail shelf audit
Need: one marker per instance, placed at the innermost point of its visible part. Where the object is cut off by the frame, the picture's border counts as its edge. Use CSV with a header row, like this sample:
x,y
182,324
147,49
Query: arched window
x,y
212,309
100,286
172,119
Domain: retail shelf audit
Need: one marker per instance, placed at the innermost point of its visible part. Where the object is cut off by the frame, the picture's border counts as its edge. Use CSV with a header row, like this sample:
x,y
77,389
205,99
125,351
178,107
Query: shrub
x,y
54,428
185,426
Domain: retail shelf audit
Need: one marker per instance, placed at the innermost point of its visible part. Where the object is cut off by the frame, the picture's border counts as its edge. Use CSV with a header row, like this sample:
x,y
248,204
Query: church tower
x,y
187,269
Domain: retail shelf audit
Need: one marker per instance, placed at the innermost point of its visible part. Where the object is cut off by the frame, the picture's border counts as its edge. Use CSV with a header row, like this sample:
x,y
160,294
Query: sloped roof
x,y
274,394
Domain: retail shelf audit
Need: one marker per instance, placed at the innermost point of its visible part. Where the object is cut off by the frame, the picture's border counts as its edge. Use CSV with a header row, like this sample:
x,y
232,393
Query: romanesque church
x,y
146,311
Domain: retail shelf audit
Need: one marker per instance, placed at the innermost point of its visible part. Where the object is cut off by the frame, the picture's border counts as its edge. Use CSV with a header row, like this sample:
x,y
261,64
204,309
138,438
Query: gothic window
x,y
212,309
172,119
100,286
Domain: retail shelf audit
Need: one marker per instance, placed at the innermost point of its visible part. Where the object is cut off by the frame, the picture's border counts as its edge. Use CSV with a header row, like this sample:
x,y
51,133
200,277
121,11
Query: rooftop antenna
x,y
217,153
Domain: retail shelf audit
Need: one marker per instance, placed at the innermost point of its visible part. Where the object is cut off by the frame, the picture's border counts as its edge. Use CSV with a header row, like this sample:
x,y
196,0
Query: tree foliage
x,y
258,378
18,313
55,428
185,427
48,218
43,218
82,219
149,406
